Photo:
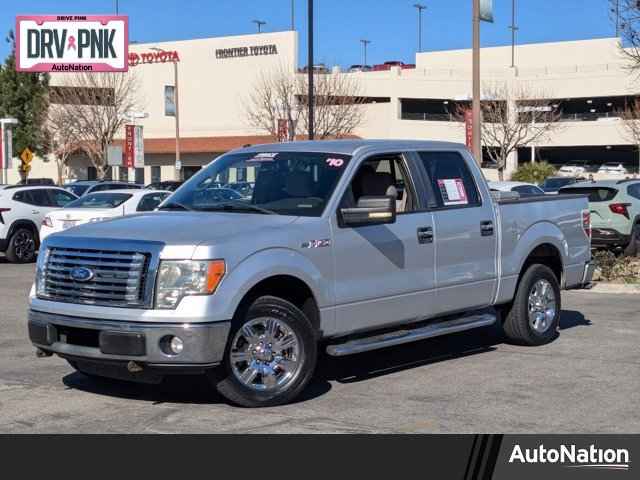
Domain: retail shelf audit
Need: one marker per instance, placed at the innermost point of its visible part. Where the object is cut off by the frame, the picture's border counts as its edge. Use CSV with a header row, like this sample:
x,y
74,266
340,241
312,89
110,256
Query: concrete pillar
x,y
511,165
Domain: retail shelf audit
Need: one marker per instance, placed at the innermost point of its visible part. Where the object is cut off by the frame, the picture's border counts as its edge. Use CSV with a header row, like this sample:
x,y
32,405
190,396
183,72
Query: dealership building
x,y
587,80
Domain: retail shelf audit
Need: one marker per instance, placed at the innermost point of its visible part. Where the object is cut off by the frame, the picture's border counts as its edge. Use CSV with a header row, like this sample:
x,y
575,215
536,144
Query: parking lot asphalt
x,y
587,381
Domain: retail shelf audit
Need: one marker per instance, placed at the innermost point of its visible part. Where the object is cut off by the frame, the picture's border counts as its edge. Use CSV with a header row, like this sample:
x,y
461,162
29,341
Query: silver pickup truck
x,y
347,246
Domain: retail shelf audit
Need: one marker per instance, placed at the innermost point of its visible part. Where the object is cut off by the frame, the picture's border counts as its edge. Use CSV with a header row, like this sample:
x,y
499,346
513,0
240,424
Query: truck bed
x,y
526,223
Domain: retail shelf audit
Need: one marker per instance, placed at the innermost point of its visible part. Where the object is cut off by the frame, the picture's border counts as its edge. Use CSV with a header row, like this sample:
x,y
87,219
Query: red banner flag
x,y
129,146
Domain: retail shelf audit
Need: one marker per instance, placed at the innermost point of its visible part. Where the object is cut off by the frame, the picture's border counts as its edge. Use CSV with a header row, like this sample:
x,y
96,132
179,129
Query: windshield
x,y
285,183
78,190
556,183
100,200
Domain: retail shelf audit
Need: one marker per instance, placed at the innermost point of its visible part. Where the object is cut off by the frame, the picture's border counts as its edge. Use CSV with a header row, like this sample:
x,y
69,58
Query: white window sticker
x,y
453,191
264,157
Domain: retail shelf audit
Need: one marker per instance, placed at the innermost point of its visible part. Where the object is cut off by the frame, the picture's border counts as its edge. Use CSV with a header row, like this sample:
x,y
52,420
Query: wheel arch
x,y
24,223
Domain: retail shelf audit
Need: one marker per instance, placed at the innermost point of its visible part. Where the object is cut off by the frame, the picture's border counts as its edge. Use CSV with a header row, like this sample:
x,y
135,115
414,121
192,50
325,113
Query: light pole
x,y
178,162
6,145
364,43
310,99
513,29
420,9
293,17
259,24
475,102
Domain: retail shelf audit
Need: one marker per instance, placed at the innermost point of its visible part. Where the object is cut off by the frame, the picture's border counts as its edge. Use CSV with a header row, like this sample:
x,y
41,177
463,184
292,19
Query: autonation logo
x,y
574,457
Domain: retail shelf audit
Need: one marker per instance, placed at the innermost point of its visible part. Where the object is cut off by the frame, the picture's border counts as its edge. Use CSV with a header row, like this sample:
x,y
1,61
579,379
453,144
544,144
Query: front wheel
x,y
22,246
534,315
270,356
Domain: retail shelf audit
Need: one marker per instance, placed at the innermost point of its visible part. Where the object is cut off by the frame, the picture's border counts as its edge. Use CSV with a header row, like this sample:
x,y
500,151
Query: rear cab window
x,y
451,179
596,194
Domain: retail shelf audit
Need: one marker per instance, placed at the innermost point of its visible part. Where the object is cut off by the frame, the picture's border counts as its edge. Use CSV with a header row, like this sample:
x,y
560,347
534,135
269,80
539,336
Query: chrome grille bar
x,y
117,278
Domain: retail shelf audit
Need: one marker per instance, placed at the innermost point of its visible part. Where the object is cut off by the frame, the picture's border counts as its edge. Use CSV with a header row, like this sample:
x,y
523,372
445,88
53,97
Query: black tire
x,y
289,318
517,325
633,249
22,246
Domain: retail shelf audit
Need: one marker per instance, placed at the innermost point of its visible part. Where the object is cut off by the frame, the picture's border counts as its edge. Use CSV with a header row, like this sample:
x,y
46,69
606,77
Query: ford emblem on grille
x,y
81,274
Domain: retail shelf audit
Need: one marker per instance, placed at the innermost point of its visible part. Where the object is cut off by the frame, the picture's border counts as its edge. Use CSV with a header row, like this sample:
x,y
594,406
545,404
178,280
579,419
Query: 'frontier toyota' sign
x,y
251,51
72,43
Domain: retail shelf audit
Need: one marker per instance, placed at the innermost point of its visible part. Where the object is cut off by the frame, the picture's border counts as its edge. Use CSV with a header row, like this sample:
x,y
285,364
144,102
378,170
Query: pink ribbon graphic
x,y
72,43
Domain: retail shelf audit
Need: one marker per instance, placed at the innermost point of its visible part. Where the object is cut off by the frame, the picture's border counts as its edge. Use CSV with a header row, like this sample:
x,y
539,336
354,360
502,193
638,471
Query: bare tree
x,y
282,96
513,116
94,107
630,121
62,139
626,15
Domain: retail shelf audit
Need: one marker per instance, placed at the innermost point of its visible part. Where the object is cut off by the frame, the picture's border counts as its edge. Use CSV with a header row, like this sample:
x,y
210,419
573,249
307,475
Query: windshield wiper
x,y
237,206
175,206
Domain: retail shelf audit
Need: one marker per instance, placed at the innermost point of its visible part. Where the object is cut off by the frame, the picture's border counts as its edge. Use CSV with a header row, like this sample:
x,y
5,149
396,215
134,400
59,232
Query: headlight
x,y
179,278
43,259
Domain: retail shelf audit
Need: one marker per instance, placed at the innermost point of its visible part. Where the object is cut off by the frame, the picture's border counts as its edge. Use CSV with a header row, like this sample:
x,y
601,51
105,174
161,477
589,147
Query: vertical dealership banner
x,y
283,130
468,127
6,148
129,147
138,147
169,101
72,43
486,10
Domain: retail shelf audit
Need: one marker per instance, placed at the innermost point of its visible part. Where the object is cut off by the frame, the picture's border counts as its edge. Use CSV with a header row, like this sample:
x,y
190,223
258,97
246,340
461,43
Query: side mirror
x,y
369,211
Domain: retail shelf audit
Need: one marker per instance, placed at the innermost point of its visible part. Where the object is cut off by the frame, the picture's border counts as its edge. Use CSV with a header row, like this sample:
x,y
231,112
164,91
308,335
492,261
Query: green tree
x,y
24,96
533,172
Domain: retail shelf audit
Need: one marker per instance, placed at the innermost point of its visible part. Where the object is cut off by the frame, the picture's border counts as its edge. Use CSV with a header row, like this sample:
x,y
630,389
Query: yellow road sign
x,y
26,156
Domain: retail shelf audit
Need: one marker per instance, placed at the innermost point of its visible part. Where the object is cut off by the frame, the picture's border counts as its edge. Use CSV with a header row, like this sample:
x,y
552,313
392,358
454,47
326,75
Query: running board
x,y
399,337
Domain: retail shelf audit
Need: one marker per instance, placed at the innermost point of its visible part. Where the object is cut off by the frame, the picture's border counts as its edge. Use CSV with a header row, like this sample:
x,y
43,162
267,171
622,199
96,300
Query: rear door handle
x,y
425,235
486,228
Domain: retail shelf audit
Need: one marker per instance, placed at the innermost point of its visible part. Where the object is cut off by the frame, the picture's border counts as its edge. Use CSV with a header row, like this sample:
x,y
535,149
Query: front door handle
x,y
486,228
425,235
35,212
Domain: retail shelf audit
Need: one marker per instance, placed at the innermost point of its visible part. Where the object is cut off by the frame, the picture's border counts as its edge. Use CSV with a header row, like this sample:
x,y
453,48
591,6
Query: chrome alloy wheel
x,y
542,306
265,354
24,245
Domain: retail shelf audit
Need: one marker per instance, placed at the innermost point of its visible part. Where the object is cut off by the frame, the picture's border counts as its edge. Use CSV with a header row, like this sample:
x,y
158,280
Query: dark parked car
x,y
169,185
553,184
37,181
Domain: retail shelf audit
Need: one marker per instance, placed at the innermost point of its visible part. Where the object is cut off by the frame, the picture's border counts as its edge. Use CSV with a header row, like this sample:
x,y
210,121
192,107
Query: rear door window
x,y
451,179
150,201
59,198
37,197
596,194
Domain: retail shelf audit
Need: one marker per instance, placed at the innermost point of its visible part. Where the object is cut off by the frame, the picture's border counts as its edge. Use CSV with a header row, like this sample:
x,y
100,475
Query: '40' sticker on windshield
x,y
335,162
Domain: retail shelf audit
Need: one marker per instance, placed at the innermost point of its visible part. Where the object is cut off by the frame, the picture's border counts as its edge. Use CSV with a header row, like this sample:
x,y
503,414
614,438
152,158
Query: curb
x,y
605,287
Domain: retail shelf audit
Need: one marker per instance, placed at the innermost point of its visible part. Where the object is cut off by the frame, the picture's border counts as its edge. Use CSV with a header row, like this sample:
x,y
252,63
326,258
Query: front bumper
x,y
608,237
116,341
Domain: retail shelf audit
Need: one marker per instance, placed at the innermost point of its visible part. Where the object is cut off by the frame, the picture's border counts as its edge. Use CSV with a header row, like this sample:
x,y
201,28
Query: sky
x,y
390,25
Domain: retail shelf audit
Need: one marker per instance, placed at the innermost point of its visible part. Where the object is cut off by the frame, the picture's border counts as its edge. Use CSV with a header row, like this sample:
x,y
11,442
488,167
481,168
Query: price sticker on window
x,y
453,191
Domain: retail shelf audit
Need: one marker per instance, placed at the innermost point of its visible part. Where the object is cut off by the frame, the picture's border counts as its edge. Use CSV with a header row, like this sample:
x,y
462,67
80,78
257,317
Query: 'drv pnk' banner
x,y
72,43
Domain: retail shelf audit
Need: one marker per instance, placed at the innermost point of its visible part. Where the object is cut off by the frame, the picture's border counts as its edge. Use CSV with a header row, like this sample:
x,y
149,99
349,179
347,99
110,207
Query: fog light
x,y
171,345
176,345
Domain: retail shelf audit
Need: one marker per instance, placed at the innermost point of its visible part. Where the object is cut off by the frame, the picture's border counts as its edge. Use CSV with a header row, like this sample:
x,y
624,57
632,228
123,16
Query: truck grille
x,y
112,278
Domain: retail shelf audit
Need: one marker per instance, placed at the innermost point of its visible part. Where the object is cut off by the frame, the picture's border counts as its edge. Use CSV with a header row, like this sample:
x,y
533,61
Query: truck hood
x,y
179,228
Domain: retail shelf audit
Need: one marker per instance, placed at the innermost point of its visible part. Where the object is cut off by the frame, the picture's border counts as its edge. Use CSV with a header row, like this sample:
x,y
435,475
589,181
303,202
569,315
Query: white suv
x,y
22,209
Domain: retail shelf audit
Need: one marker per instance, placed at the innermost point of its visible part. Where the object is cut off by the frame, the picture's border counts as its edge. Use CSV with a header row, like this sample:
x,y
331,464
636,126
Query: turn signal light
x,y
620,208
215,272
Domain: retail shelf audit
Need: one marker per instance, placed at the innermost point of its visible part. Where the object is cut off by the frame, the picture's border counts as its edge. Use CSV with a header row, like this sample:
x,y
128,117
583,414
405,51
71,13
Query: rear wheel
x,y
270,356
22,246
534,315
633,249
